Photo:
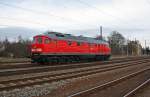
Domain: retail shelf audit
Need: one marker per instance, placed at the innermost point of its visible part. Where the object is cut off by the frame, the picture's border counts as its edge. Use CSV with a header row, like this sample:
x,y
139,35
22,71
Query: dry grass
x,y
11,60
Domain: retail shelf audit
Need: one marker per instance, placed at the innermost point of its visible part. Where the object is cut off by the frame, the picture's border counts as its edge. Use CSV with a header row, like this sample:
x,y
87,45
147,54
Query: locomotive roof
x,y
69,37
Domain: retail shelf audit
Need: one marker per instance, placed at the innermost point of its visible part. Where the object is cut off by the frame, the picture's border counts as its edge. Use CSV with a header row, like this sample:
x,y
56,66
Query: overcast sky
x,y
129,17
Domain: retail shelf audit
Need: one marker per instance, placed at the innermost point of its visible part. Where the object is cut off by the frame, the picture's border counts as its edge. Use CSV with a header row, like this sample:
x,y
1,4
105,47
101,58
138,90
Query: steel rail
x,y
129,94
38,69
11,84
108,84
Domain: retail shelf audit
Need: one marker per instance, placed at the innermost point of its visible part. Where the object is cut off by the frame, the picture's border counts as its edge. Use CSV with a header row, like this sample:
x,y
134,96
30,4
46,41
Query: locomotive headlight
x,y
36,49
39,49
33,50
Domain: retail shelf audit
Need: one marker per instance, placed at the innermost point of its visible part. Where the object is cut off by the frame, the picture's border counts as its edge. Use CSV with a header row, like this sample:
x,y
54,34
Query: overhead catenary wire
x,y
40,12
121,20
56,16
3,25
103,12
84,14
53,15
60,17
148,1
21,20
31,22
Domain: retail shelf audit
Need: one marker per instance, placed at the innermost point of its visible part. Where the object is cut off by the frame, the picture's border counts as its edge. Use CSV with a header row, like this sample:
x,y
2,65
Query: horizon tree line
x,y
119,46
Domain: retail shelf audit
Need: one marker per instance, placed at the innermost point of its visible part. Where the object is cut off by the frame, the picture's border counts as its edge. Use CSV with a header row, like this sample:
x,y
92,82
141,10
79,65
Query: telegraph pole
x,y
145,48
101,32
127,47
145,44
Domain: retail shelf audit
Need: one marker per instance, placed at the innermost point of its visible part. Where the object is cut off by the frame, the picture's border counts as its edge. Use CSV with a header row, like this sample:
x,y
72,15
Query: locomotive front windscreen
x,y
38,40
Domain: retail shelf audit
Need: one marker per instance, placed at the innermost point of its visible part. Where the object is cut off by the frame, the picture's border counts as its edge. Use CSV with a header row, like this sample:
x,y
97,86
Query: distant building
x,y
2,47
134,48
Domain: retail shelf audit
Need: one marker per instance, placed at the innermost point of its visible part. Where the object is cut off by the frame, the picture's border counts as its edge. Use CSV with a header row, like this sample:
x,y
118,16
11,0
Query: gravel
x,y
35,91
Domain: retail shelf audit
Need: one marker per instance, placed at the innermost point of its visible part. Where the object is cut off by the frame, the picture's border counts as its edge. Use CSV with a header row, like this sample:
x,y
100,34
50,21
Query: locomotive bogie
x,y
68,58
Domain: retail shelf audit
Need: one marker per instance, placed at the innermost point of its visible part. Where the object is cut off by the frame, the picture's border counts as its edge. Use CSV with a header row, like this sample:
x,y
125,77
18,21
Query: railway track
x,y
16,65
104,89
29,64
43,77
37,69
14,62
137,89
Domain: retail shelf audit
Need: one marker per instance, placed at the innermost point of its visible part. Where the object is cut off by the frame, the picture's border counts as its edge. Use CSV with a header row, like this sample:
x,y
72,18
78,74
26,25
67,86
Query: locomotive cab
x,y
38,46
39,43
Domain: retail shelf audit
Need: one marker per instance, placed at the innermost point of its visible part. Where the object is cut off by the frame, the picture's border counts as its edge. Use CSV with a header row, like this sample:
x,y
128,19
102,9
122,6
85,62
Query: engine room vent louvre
x,y
68,34
69,37
59,35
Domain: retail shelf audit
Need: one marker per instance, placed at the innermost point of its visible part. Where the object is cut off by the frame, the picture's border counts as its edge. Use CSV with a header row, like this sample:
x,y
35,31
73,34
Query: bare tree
x,y
116,41
15,49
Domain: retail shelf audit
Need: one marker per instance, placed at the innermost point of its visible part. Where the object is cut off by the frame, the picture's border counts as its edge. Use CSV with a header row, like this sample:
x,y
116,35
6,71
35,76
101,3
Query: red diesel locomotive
x,y
58,47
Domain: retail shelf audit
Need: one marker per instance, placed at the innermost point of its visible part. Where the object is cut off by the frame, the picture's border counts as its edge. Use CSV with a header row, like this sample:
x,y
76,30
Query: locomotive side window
x,y
59,35
78,43
92,45
47,41
34,40
89,44
55,41
39,40
69,42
